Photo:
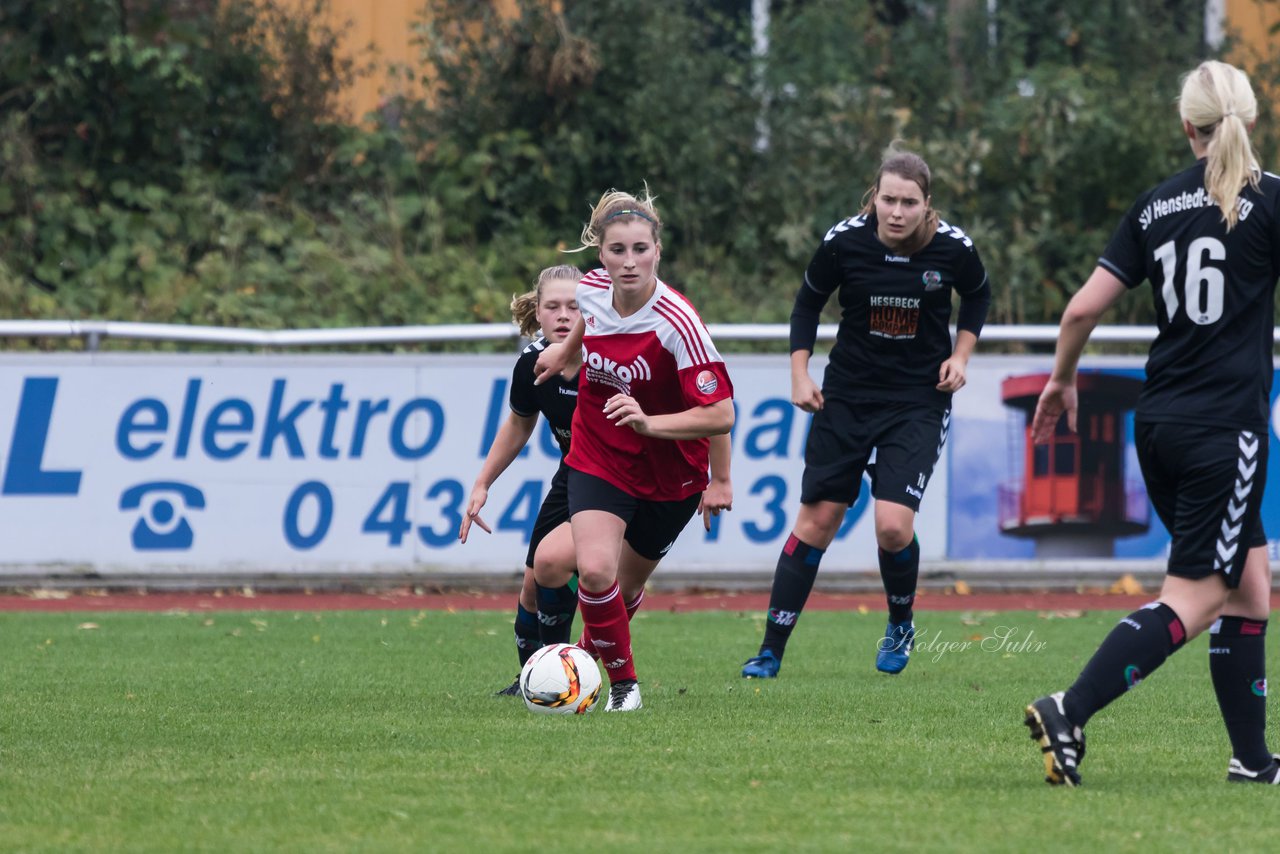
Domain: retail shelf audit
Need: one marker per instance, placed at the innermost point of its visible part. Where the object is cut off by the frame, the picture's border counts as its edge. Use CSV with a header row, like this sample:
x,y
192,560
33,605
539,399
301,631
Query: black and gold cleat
x,y
512,690
1061,743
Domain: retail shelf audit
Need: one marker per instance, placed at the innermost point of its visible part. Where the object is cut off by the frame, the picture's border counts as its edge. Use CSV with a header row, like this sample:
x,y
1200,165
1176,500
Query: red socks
x,y
606,630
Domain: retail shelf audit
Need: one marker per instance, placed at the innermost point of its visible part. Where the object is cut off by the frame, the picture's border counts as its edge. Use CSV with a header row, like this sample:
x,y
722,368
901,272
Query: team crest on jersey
x,y
932,280
590,320
707,382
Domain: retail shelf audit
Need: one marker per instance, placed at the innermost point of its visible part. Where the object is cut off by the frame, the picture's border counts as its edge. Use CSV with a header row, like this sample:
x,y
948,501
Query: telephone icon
x,y
162,525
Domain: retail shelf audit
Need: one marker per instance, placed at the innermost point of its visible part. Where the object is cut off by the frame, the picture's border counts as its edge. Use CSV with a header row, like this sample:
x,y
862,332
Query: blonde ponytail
x,y
1219,103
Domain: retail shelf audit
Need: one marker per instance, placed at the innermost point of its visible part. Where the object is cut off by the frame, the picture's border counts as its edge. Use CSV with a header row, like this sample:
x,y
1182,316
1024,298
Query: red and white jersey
x,y
663,357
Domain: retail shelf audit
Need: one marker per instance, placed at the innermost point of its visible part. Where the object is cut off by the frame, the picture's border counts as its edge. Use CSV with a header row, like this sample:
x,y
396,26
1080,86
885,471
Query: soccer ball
x,y
560,679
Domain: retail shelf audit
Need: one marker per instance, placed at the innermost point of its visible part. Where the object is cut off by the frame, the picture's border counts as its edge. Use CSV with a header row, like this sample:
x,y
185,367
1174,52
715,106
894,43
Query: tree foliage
x,y
182,162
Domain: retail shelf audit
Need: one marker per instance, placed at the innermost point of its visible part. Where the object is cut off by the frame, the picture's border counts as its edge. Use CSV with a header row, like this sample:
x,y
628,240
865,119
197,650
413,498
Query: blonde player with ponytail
x,y
1208,240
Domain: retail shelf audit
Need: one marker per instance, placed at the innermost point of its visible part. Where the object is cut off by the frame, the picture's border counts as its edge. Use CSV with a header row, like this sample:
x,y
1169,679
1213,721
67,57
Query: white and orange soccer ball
x,y
560,679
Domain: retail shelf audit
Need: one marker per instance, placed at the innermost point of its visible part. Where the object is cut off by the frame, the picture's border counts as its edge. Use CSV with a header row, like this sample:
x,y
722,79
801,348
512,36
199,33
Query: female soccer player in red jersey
x,y
1208,239
652,391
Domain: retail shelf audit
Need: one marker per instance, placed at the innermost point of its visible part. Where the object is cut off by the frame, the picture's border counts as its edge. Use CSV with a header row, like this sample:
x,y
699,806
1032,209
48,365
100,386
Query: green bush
x,y
183,162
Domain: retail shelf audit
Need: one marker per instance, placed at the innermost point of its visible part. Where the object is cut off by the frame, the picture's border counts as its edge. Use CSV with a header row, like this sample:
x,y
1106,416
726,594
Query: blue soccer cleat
x,y
895,647
763,666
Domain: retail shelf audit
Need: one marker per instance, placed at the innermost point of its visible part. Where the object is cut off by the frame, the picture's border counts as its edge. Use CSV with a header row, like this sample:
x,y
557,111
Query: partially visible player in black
x,y
887,390
543,616
1208,239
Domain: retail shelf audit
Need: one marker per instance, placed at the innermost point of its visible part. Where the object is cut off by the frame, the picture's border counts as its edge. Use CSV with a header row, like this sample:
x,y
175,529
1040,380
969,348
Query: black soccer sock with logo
x,y
1131,652
792,582
527,642
555,613
900,572
1238,666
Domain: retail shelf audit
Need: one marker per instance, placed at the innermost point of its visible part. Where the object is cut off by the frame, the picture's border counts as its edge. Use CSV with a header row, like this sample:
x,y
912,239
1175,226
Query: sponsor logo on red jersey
x,y
707,382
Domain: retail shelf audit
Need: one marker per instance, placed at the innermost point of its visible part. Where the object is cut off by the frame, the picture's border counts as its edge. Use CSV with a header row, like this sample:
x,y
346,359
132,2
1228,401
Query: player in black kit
x,y
1208,239
887,390
543,615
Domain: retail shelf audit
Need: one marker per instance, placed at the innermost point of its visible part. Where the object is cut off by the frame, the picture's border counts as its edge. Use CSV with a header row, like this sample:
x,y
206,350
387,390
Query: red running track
x,y
677,602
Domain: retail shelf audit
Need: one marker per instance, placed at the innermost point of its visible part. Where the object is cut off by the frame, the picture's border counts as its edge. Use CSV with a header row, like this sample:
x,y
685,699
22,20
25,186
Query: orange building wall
x,y
1252,20
388,26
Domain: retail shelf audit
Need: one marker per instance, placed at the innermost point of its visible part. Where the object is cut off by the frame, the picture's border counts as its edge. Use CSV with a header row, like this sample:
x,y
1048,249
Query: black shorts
x,y
652,526
553,513
907,439
1206,484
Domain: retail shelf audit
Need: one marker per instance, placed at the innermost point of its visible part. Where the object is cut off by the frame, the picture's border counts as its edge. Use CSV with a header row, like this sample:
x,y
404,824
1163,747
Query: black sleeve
x,y
821,279
973,308
523,397
1124,254
975,293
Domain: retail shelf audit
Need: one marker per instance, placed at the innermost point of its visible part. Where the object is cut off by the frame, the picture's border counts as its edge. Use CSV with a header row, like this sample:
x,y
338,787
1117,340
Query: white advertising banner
x,y
357,465
180,464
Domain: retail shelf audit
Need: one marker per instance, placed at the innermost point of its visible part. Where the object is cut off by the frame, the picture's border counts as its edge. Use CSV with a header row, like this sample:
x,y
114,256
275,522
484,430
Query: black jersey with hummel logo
x,y
555,399
895,310
1211,362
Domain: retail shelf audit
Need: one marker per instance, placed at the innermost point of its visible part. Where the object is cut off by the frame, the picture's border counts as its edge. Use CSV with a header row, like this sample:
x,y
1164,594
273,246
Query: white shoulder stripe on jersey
x,y
597,278
684,327
845,225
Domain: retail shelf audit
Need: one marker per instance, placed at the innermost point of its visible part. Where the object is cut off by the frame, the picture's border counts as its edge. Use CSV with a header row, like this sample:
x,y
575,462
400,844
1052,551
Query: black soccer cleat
x,y
512,690
1237,773
1060,741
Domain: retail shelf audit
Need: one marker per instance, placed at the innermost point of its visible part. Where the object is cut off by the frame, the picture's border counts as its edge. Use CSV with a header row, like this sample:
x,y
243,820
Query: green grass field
x,y
377,730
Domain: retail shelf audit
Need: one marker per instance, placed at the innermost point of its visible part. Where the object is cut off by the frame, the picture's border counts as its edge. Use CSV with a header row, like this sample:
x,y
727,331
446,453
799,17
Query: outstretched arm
x,y
511,438
1078,321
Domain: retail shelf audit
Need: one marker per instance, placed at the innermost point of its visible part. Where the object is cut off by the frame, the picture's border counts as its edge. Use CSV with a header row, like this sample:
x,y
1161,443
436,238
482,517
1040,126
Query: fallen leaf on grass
x,y
1060,615
41,593
1126,584
87,626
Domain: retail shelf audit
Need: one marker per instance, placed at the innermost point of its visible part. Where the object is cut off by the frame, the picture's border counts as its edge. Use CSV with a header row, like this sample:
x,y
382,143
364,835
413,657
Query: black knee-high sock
x,y
792,581
527,642
900,571
555,613
1238,665
1135,648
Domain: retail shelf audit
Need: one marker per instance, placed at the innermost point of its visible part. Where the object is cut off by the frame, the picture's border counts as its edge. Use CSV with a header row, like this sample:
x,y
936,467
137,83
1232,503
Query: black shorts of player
x,y
1206,484
553,513
907,438
652,526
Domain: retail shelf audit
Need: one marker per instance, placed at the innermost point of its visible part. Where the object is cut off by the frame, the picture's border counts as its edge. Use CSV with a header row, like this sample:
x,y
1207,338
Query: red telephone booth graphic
x,y
1071,494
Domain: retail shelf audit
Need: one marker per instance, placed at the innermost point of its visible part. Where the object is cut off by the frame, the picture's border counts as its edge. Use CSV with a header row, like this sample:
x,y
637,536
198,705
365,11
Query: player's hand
x,y
951,376
806,394
1058,397
623,411
717,498
551,361
479,495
